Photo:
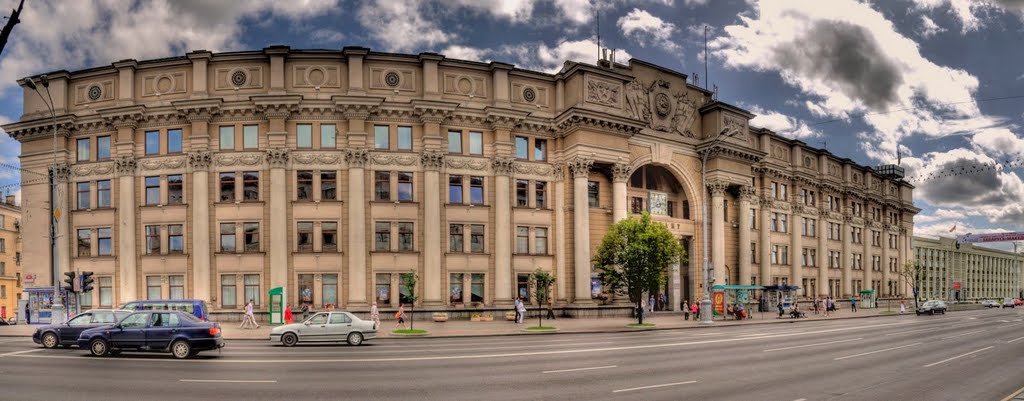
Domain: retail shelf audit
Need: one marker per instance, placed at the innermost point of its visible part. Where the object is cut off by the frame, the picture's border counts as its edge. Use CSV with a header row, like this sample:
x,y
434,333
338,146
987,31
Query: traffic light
x,y
87,281
69,281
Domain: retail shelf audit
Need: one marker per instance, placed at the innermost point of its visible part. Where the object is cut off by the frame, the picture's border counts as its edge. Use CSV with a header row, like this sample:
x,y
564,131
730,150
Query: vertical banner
x,y
718,302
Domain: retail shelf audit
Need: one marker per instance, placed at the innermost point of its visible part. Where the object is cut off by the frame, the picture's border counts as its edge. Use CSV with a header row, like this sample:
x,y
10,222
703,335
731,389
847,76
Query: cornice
x,y
575,119
433,111
200,110
357,107
31,130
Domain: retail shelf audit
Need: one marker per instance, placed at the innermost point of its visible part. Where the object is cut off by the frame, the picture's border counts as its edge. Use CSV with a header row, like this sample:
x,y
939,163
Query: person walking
x,y
515,308
28,316
249,321
814,305
400,315
824,305
781,310
305,311
522,311
288,318
696,310
551,309
375,315
664,301
686,310
853,303
903,307
651,303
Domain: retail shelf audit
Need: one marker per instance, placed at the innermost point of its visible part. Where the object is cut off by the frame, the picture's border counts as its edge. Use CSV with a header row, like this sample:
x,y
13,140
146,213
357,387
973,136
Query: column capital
x,y
748,192
432,159
277,158
717,187
125,165
200,161
580,167
503,165
621,172
61,172
357,158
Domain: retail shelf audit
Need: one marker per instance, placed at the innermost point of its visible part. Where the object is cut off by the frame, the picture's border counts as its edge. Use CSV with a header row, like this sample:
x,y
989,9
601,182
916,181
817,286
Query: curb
x,y
393,334
552,331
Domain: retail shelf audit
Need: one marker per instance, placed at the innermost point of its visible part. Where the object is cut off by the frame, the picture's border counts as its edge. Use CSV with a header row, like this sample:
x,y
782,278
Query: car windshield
x,y
190,317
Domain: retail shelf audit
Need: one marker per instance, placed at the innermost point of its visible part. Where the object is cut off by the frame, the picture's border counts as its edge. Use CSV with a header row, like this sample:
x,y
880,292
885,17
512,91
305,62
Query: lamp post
x,y
705,303
57,308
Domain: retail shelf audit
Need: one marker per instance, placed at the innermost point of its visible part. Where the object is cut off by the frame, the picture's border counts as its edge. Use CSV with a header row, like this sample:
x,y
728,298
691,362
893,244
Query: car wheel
x,y
49,340
181,349
355,338
99,347
289,339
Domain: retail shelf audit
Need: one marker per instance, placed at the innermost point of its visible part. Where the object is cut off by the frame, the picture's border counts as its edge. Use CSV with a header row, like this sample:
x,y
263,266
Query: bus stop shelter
x,y
867,299
731,295
774,294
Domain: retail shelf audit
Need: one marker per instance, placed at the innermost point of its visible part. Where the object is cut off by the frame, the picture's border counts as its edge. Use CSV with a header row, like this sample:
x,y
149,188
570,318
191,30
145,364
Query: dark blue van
x,y
194,306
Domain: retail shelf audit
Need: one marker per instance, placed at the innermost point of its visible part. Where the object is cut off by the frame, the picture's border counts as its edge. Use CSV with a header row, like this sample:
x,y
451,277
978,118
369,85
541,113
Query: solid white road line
x,y
579,369
963,334
1015,340
371,351
21,352
959,356
654,386
910,331
874,352
225,381
813,345
1015,394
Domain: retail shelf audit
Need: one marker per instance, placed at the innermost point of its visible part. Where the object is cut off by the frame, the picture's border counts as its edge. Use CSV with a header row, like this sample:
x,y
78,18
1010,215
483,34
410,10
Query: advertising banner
x,y
718,302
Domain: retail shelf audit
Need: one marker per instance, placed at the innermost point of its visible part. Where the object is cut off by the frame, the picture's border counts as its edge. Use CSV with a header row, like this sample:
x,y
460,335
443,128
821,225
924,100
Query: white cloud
x,y
400,26
692,3
929,28
324,35
540,56
648,30
972,14
466,53
782,124
999,142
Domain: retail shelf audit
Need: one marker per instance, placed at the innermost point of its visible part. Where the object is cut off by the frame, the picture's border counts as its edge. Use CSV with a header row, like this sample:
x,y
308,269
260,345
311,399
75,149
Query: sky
x,y
936,85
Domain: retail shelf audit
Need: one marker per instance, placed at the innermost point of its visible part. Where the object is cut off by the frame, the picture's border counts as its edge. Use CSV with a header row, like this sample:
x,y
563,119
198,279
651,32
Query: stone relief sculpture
x,y
663,111
602,92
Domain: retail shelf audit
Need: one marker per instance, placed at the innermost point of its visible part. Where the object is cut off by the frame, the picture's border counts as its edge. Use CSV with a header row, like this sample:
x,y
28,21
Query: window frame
x,y
147,185
100,237
255,131
247,234
301,182
171,235
176,187
404,138
304,136
226,132
83,202
328,139
99,147
179,142
250,181
155,137
379,132
228,231
476,141
455,142
382,181
299,232
227,178
328,177
83,153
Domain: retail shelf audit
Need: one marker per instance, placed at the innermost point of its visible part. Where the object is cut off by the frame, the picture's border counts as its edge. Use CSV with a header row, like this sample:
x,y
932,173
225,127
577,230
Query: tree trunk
x,y
412,309
639,313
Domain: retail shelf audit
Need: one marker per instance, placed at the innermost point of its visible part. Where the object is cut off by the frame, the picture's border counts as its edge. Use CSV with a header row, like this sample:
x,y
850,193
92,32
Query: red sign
x,y
956,285
30,278
718,302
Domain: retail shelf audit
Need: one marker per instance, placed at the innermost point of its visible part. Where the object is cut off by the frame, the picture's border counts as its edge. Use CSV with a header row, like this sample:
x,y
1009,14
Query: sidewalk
x,y
465,328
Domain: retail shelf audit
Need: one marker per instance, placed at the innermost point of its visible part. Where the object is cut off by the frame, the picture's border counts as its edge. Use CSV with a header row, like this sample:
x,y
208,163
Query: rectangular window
x,y
329,236
540,194
775,190
455,189
636,205
250,186
404,138
83,149
152,190
476,287
455,288
753,219
382,289
455,238
227,137
305,232
84,242
329,289
686,210
176,285
522,240
152,142
380,137
152,287
782,191
782,223
476,143
476,190
250,137
405,234
252,236
476,238
84,191
523,286
228,296
540,149
522,192
328,136
522,147
670,207
304,136
540,241
106,291
405,187
404,295
227,237
102,147
227,187
175,238
175,190
382,236
328,185
252,288
784,251
103,243
454,141
593,188
174,140
382,185
304,185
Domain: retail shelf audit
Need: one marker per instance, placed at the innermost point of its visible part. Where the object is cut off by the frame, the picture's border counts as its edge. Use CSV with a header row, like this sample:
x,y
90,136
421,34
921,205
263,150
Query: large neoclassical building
x,y
330,173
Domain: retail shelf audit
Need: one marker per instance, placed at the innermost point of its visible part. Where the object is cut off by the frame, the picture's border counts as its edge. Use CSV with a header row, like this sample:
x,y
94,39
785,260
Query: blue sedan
x,y
179,333
66,335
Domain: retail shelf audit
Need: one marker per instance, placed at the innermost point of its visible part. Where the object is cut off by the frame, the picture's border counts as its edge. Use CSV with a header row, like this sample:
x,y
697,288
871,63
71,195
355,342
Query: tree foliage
x,y
913,272
634,256
541,282
409,280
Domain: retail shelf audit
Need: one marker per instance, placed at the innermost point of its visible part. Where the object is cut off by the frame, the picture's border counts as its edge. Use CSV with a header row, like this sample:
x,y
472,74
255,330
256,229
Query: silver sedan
x,y
325,327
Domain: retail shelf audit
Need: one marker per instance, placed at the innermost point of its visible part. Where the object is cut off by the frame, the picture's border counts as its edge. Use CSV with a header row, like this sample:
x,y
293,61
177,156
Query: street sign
x,y
997,237
56,213
956,285
30,278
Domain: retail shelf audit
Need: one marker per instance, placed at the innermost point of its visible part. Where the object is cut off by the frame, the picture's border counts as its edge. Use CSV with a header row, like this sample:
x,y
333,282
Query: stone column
x,y
125,166
886,254
62,176
502,230
766,241
620,175
560,273
432,162
866,259
200,163
580,168
743,215
717,189
279,245
847,261
357,159
796,273
823,254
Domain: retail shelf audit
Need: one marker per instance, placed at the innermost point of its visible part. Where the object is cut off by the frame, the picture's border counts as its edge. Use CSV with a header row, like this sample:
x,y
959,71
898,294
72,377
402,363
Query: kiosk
x,y
276,305
867,299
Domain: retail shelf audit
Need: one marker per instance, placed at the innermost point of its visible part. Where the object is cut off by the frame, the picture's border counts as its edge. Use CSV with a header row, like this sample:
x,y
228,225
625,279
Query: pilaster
x,y
357,159
747,194
503,167
279,229
126,256
200,163
717,189
580,168
432,162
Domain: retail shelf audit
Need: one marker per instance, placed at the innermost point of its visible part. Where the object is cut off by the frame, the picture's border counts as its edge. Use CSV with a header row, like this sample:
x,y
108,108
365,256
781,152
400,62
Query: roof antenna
x,y
597,12
706,77
899,156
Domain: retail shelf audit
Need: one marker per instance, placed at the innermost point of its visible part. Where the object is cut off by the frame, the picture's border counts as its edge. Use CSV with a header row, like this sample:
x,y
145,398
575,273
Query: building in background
x,y
331,173
10,257
970,273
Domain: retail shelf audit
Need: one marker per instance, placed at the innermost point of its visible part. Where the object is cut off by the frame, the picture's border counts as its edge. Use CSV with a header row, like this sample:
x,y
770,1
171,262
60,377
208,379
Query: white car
x,y
325,327
988,303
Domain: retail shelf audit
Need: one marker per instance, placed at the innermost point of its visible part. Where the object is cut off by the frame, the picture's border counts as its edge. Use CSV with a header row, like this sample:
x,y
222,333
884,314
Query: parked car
x,y
325,327
194,306
1008,303
989,303
66,335
1018,302
179,333
932,307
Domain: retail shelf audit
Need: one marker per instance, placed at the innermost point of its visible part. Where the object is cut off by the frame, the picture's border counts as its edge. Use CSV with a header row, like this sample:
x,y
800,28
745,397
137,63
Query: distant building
x,y
10,257
970,273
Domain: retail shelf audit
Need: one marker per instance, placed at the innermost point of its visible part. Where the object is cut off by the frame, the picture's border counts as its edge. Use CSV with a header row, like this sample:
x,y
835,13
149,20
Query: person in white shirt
x,y
249,321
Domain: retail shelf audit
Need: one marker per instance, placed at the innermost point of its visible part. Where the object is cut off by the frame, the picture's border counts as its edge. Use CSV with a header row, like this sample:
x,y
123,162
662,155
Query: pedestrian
x,y
741,313
288,318
651,303
903,307
28,316
814,305
400,315
375,315
696,310
515,308
249,321
643,308
686,310
781,310
551,309
824,305
522,311
305,311
664,301
853,303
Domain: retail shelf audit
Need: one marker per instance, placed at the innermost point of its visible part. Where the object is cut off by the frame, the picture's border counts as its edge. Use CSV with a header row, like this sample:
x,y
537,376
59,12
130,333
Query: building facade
x,y
967,273
10,257
331,173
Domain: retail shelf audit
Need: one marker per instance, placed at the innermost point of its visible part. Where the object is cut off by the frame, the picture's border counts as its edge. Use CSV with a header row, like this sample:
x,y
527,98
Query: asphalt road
x,y
975,355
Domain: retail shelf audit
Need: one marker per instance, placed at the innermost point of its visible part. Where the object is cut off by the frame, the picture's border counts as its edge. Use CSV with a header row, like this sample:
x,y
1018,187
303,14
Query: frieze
x,y
736,124
467,163
315,158
394,159
536,169
93,169
781,205
659,108
162,163
857,220
603,92
239,159
578,121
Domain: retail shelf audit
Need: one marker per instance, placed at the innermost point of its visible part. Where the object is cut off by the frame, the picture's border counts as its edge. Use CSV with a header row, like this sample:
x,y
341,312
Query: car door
x,y
315,328
339,326
68,333
131,332
163,327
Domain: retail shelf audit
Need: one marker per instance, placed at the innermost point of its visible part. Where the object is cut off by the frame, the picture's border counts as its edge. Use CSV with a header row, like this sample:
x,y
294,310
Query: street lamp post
x,y
705,303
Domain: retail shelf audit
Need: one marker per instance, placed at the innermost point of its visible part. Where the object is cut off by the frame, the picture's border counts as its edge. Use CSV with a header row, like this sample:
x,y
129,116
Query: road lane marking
x,y
225,381
579,369
1014,395
964,334
21,352
874,352
369,351
959,356
654,386
813,345
910,331
1015,340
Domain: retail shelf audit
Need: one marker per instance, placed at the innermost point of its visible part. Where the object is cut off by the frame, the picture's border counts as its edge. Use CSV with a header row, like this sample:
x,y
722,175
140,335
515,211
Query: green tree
x,y
913,271
409,280
634,256
541,282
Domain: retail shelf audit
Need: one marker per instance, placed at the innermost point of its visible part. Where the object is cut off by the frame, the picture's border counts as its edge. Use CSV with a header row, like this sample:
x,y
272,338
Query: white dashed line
x,y
813,345
654,386
959,356
874,352
579,369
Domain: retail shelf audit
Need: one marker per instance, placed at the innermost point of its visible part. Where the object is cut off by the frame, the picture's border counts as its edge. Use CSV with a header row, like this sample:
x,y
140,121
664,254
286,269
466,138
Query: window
x,y
106,291
329,290
328,185
227,237
304,185
782,223
775,190
810,227
382,185
540,194
636,205
227,187
328,136
454,141
522,240
252,288
152,142
476,238
227,138
329,236
252,236
522,147
592,193
174,140
175,239
404,138
670,207
523,287
104,245
152,240
84,242
85,301
380,137
175,190
404,186
405,233
455,238
540,241
540,149
753,219
404,295
176,285
152,287
476,287
476,190
250,136
753,256
455,189
782,191
382,236
774,222
304,136
250,186
305,232
152,190
84,191
305,293
382,289
476,143
522,192
83,149
455,288
102,147
228,296
686,210
810,257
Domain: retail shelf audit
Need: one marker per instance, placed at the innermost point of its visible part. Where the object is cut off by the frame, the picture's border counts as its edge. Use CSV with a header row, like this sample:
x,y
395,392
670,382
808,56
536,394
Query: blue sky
x,y
858,77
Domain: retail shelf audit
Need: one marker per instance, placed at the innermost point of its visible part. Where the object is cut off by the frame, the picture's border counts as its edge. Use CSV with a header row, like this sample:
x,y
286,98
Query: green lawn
x,y
640,325
414,331
541,328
